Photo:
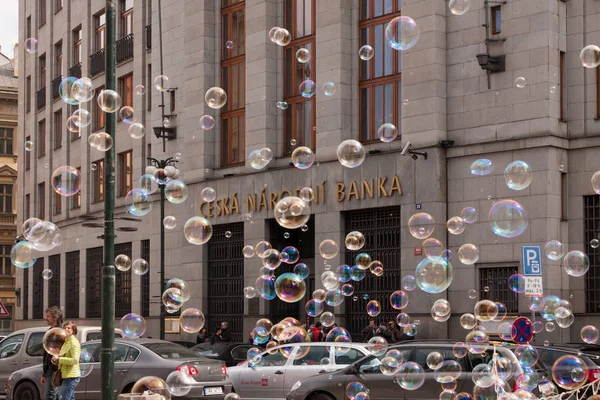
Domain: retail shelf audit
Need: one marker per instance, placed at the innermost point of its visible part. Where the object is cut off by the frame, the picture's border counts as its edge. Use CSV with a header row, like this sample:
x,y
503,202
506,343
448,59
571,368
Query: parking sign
x,y
532,260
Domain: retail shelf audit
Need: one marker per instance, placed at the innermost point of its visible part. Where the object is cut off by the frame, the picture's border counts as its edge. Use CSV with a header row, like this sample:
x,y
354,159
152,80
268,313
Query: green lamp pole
x,y
162,164
107,362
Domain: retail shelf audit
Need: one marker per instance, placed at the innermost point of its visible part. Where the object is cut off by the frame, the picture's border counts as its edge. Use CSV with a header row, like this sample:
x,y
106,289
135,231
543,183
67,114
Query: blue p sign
x,y
532,260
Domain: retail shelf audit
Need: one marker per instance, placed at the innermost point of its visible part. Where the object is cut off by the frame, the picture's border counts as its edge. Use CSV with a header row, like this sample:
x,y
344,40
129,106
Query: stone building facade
x,y
437,94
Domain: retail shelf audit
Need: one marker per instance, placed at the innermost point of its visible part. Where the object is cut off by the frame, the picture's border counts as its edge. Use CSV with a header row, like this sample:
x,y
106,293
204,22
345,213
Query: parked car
x,y
134,359
332,386
547,356
232,353
183,343
282,366
14,355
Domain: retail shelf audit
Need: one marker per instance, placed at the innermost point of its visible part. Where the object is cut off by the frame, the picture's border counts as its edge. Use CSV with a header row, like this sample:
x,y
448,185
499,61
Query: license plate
x,y
213,390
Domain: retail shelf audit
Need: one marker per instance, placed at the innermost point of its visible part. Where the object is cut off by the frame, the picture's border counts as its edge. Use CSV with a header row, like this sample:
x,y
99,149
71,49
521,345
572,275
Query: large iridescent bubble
x,y
351,153
421,225
22,254
576,263
133,325
508,218
197,230
517,175
66,181
434,274
290,287
402,33
566,372
292,212
410,376
138,202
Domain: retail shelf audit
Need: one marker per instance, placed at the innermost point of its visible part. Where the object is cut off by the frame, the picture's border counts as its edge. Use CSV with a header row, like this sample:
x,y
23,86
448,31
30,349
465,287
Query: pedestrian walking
x,y
68,363
54,318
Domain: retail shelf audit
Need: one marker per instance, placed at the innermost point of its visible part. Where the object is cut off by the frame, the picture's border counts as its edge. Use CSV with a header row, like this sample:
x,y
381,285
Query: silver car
x,y
282,366
134,359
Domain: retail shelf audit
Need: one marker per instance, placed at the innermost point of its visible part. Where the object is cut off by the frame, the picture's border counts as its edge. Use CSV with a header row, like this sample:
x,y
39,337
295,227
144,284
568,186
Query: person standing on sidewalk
x,y
54,317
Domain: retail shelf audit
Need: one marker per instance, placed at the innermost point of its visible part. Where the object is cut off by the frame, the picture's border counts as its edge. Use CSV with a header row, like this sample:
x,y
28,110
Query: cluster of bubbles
x,y
39,236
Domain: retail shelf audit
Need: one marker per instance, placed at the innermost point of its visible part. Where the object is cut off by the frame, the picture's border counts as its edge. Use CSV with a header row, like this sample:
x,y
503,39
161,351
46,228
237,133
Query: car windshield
x,y
171,351
210,350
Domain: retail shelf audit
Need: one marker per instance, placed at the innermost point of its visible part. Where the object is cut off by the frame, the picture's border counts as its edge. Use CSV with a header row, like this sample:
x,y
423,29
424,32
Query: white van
x,y
24,348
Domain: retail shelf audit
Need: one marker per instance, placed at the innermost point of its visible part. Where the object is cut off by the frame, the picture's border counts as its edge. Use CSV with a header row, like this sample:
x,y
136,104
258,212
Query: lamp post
x,y
171,172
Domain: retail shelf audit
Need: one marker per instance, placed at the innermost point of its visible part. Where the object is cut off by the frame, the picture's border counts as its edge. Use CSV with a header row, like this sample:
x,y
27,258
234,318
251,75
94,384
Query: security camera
x,y
406,149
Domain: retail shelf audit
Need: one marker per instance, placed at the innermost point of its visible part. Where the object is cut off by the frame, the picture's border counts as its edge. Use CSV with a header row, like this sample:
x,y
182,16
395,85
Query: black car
x,y
231,353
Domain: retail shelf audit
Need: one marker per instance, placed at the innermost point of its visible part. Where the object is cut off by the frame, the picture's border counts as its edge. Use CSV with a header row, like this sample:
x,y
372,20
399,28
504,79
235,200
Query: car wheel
x,y
27,391
128,388
321,396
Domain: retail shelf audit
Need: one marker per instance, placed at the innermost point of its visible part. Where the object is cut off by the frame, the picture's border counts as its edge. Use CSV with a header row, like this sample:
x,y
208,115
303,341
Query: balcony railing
x,y
8,219
148,37
7,281
125,48
40,98
97,62
55,86
75,71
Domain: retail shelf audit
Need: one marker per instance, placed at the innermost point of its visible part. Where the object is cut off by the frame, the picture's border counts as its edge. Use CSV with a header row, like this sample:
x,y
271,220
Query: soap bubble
x,y
291,212
329,89
303,157
197,230
191,320
434,275
387,132
363,260
377,345
138,202
73,124
389,366
508,218
215,97
161,83
354,241
65,90
265,286
173,297
66,181
275,34
140,90
31,45
520,82
123,262
554,250
86,360
590,56
449,371
176,191
256,159
327,319
434,360
357,274
282,105
334,297
366,52
353,389
148,183
109,101
126,114
516,283
468,254
208,194
403,319
103,141
140,266
517,175
459,7
328,249
249,292
576,263
285,39
47,274
589,334
179,383
28,145
562,372
399,300
482,167
290,287
410,376
409,283
81,118
313,308
347,290
485,310
303,55
455,225
459,349
290,255
154,385
402,33
351,153
308,88
594,243
207,122
263,249
468,321
82,90
53,341
230,44
472,294
43,236
136,130
440,308
344,273
421,225
133,325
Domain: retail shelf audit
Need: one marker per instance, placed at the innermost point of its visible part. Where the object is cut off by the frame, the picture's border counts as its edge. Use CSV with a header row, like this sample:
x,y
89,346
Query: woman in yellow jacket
x,y
68,363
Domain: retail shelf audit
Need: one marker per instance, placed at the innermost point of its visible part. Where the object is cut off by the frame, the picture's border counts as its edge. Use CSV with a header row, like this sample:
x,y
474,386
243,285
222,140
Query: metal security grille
x,y
381,228
591,205
54,282
72,295
496,282
38,290
280,238
93,303
145,279
123,283
25,294
226,279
